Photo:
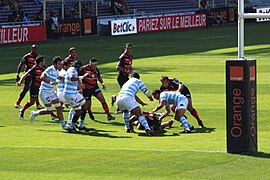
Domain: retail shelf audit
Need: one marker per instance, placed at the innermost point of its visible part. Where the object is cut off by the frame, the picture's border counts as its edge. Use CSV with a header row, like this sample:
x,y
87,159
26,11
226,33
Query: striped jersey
x,y
125,61
29,60
171,97
131,87
90,81
71,86
35,73
60,83
52,75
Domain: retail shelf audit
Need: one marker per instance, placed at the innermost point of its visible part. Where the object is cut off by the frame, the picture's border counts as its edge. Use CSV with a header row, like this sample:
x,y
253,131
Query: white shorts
x,y
61,97
74,99
47,97
182,104
128,103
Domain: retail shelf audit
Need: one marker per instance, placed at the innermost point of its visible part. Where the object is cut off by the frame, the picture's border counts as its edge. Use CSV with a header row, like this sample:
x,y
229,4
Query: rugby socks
x,y
126,117
36,113
195,114
184,121
143,121
25,106
106,108
63,123
70,115
81,123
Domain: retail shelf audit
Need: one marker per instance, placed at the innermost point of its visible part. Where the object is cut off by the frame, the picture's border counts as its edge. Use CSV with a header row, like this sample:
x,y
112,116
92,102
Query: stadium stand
x,y
104,7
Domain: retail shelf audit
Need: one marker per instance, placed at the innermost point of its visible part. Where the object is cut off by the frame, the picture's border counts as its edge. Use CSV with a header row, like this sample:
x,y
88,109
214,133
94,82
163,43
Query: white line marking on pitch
x,y
116,149
217,37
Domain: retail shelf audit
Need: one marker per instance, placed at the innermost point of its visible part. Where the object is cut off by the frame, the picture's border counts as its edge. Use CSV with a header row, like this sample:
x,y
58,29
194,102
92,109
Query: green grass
x,y
41,150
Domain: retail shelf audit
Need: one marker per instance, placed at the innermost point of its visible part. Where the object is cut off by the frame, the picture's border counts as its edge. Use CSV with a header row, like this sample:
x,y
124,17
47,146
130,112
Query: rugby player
x,y
169,98
172,84
47,93
28,61
92,89
127,103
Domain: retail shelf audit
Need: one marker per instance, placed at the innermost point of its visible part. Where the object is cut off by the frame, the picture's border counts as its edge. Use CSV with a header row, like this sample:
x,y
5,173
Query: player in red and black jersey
x,y
91,87
34,74
172,84
28,61
72,55
124,65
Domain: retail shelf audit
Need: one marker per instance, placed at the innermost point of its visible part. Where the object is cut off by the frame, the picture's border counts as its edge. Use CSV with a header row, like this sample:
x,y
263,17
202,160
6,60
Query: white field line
x,y
217,37
116,149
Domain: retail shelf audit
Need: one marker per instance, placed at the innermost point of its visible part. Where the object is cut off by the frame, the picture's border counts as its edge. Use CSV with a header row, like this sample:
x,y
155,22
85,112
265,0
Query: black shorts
x,y
88,93
34,91
186,92
122,79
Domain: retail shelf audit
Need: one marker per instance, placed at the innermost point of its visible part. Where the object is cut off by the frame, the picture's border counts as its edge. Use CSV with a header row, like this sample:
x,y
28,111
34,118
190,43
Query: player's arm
x,y
102,82
166,113
44,78
160,105
19,68
25,75
140,101
180,87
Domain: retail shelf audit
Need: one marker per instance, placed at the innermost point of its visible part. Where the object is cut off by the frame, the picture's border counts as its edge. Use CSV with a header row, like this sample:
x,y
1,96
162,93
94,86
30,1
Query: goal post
x,y
241,95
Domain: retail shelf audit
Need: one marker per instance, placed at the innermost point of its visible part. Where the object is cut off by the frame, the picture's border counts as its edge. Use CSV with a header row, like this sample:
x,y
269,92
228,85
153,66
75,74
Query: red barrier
x,y
22,34
166,23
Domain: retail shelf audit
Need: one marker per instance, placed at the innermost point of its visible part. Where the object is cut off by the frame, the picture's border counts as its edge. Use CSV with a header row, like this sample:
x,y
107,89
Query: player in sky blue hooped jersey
x,y
47,93
60,87
127,103
73,96
171,97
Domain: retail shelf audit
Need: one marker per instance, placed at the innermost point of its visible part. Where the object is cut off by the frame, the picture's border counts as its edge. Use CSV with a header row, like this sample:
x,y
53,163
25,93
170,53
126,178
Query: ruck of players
x,y
67,83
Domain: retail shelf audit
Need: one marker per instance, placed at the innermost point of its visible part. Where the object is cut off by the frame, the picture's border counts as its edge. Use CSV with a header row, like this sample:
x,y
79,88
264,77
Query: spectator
x,y
25,18
54,26
14,17
203,4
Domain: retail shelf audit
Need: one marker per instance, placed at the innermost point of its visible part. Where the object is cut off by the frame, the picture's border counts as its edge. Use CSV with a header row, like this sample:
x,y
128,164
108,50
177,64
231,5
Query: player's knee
x,y
57,105
49,108
82,102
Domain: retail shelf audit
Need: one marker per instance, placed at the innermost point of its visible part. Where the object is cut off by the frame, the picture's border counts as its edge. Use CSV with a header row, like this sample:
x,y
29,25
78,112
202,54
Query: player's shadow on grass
x,y
203,130
156,135
98,133
112,122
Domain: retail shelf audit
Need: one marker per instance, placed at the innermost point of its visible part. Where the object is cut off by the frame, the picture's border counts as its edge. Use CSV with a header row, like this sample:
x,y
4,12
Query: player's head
x,y
34,49
66,64
77,64
72,52
57,62
40,61
93,61
136,75
128,48
156,94
164,80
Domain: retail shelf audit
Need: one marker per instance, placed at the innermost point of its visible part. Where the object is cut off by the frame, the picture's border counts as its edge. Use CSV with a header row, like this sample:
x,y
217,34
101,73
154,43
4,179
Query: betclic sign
x,y
123,27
